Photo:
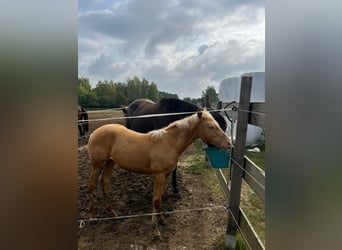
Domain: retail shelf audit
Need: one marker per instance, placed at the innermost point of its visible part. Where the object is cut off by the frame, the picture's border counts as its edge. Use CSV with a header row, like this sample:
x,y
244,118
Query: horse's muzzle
x,y
226,143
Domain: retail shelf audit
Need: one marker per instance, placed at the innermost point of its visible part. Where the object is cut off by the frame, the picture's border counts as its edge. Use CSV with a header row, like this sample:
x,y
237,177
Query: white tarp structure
x,y
229,91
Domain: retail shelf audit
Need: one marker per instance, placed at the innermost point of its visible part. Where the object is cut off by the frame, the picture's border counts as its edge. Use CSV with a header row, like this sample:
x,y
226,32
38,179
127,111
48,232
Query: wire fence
x,y
210,207
150,115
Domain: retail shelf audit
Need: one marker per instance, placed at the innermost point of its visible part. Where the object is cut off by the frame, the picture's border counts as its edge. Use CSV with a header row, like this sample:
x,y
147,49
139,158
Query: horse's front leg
x,y
158,189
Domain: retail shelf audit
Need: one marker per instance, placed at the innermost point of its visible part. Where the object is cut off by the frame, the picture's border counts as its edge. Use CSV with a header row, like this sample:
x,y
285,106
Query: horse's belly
x,y
132,163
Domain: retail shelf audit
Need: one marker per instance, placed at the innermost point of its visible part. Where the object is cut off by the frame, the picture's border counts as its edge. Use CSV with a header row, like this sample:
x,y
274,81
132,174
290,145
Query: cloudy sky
x,y
181,45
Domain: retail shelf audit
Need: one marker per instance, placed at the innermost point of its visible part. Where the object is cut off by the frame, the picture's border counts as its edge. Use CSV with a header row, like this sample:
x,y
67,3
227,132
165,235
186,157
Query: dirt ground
x,y
131,194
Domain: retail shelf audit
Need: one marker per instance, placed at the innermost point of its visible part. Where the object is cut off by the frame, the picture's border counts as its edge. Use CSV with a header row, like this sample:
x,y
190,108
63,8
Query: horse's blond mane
x,y
182,124
186,122
159,133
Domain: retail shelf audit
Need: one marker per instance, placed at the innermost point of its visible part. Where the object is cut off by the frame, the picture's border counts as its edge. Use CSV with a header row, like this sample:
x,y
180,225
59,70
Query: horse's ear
x,y
199,114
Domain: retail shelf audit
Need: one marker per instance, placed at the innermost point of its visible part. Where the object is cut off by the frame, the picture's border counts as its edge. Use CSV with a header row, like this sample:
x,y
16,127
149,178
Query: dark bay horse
x,y
83,124
154,153
166,105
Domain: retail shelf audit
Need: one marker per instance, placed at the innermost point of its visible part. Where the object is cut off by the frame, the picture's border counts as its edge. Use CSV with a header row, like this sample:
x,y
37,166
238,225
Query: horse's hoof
x,y
177,194
176,191
93,220
156,233
111,212
91,214
162,220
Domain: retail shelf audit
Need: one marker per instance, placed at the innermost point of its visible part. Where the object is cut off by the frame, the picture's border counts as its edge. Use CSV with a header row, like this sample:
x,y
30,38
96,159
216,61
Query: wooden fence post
x,y
238,158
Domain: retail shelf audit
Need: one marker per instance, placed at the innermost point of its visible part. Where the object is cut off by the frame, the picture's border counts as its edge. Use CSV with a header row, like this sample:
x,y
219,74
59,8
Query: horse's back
x,y
127,148
175,105
137,108
101,140
116,136
146,107
172,105
111,133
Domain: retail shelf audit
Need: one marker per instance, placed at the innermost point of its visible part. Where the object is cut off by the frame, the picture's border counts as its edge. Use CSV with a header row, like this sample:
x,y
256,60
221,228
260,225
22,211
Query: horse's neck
x,y
182,137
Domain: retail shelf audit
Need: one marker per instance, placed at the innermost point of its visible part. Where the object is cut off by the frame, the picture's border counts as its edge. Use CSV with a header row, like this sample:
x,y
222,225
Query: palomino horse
x,y
155,153
83,124
166,105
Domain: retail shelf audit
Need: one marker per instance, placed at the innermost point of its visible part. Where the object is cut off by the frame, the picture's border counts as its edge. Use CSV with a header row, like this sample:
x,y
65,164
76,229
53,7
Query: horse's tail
x,y
83,148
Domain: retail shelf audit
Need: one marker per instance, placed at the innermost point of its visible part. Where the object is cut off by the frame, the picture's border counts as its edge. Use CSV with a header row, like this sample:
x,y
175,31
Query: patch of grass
x,y
257,158
196,159
220,245
240,244
210,181
250,202
254,209
198,165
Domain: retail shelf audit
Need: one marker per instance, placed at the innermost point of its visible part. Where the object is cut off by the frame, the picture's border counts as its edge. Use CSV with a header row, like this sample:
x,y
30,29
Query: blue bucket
x,y
218,158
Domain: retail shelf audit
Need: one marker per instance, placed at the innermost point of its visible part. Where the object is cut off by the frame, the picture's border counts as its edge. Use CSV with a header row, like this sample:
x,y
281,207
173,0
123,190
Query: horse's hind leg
x,y
92,185
80,130
174,181
158,188
107,173
84,127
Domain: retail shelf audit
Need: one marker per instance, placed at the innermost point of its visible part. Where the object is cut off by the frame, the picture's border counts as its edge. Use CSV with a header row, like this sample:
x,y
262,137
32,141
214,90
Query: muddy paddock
x,y
131,194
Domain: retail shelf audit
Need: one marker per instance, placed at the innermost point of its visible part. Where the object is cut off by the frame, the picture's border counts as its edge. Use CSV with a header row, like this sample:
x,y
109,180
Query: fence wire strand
x,y
238,226
243,169
143,116
82,222
253,112
149,115
165,114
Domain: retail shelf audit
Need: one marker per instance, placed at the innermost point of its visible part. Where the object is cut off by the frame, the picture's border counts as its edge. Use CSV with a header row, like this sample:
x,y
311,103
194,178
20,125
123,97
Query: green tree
x,y
137,88
195,101
84,83
143,87
110,94
105,92
152,92
211,92
92,99
133,90
167,95
86,96
187,99
121,97
82,95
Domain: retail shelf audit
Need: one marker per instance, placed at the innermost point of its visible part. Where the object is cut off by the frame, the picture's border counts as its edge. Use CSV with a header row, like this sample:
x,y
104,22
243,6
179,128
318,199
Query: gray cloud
x,y
180,45
202,48
193,74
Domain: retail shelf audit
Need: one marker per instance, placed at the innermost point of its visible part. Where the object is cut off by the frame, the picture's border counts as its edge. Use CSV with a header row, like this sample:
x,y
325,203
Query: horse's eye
x,y
211,127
